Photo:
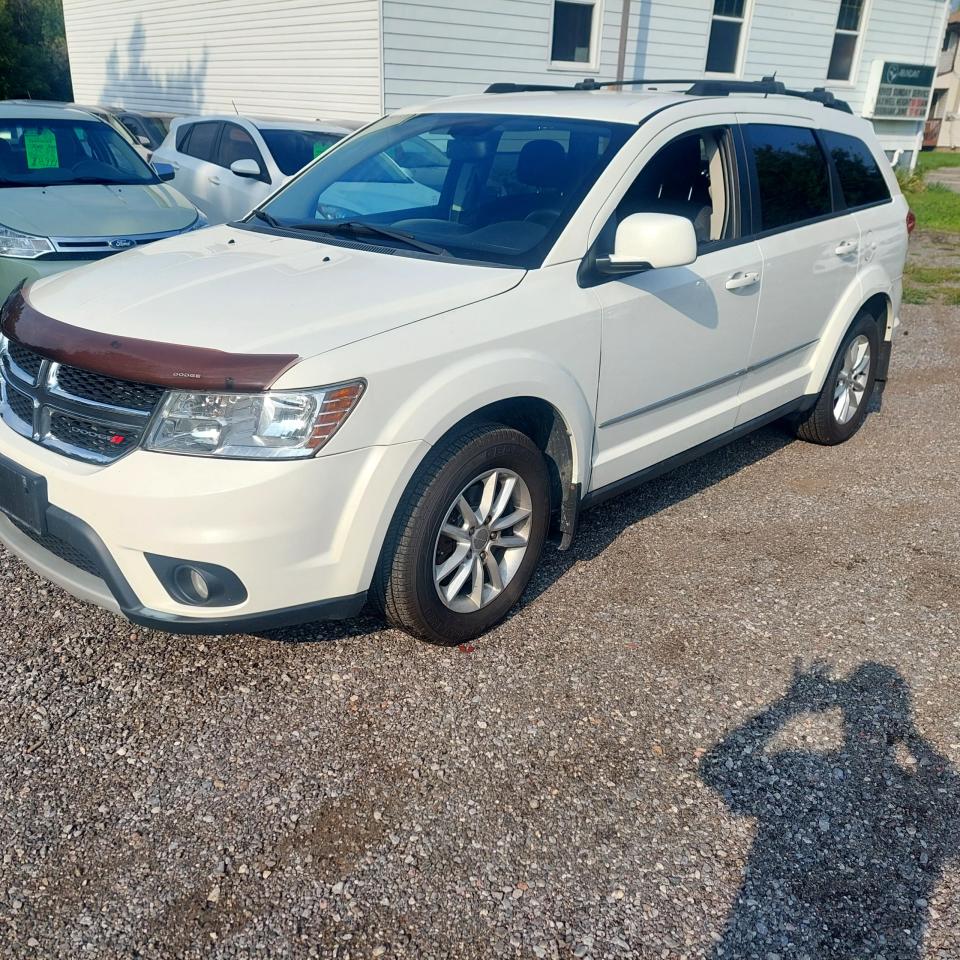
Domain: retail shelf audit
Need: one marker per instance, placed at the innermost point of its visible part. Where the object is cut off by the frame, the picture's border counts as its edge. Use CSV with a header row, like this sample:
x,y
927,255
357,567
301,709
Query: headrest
x,y
542,163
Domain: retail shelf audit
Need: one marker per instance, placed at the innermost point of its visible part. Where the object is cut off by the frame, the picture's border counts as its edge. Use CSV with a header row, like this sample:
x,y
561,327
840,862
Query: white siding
x,y
273,58
436,48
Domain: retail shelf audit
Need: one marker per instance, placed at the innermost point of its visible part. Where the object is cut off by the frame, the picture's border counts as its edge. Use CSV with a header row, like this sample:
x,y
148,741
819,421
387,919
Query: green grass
x,y
917,295
951,296
927,275
936,208
937,159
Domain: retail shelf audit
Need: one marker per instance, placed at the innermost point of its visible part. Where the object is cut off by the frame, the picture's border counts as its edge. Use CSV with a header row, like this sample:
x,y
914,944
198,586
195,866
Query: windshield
x,y
294,149
155,129
490,188
39,153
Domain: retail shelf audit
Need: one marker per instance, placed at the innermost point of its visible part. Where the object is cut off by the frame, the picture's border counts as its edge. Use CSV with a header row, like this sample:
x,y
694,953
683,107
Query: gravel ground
x,y
725,725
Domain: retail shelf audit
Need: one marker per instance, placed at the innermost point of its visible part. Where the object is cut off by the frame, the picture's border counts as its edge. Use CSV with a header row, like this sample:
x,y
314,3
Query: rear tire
x,y
845,398
466,537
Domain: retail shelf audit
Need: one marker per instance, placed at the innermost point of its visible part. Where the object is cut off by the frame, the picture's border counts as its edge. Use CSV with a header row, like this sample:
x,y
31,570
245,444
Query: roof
x,y
628,107
35,110
320,126
631,106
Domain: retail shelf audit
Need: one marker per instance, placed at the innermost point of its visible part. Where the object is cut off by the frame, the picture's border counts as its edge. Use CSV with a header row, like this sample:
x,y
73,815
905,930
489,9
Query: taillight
x,y
911,222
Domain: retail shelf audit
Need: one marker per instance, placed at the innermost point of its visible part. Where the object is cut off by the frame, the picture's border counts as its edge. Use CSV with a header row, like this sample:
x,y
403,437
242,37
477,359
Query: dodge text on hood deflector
x,y
142,361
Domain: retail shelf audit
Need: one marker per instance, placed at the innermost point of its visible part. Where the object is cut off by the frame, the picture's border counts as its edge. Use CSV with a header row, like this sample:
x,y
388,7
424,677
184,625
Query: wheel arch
x,y
876,301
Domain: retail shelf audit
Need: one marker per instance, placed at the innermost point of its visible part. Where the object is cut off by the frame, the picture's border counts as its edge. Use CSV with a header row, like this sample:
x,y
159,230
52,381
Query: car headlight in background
x,y
23,246
280,425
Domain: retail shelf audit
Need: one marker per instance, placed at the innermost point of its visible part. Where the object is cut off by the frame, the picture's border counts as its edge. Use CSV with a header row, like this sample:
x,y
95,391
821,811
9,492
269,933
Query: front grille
x,y
65,551
106,440
28,361
108,390
21,405
84,415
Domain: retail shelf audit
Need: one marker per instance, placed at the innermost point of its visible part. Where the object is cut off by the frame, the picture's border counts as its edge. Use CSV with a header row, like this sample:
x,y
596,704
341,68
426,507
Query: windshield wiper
x,y
267,218
358,227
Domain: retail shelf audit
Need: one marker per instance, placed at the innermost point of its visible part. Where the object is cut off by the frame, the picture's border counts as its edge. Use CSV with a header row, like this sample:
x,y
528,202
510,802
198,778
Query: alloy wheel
x,y
852,380
482,540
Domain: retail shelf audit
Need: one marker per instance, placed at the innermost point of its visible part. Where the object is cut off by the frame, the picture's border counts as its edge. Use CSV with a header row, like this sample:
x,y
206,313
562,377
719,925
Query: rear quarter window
x,y
860,176
793,179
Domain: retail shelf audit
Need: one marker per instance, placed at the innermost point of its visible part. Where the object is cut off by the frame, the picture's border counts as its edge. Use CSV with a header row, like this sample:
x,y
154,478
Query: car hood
x,y
95,210
244,291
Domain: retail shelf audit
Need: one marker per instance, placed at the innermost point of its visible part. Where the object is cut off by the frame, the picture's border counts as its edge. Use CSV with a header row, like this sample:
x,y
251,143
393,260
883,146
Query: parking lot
x,y
578,783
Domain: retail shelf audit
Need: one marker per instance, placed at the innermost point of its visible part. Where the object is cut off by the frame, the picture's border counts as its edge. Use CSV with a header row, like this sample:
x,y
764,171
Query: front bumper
x,y
13,271
302,536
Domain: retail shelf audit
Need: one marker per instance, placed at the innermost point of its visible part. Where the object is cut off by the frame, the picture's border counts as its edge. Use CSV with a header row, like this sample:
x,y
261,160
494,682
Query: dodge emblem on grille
x,y
123,243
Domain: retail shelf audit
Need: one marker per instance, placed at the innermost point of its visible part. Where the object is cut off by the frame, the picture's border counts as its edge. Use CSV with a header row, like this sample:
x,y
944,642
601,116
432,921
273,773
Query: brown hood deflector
x,y
143,361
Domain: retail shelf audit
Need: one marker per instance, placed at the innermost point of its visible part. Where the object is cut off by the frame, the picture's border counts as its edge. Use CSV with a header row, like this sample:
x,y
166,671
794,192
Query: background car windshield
x,y
294,149
496,189
36,153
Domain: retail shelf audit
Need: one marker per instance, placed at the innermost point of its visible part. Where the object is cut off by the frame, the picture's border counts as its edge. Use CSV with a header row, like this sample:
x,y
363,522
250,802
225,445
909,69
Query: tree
x,y
33,50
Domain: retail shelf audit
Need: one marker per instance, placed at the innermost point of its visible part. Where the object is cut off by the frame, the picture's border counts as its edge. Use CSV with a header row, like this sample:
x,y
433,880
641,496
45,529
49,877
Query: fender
x,y
457,391
868,283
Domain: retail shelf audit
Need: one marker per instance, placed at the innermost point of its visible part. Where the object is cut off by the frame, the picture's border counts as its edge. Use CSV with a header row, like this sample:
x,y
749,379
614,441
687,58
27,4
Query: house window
x,y
845,40
726,35
574,31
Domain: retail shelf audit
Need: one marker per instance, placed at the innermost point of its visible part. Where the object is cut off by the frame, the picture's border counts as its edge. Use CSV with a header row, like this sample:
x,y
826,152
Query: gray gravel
x,y
724,726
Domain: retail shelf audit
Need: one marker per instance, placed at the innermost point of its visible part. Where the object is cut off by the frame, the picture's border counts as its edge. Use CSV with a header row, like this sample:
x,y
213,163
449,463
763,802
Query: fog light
x,y
193,583
197,583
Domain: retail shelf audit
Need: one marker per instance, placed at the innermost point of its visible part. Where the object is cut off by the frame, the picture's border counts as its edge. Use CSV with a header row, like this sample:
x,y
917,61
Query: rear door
x,y
867,193
810,247
197,175
237,196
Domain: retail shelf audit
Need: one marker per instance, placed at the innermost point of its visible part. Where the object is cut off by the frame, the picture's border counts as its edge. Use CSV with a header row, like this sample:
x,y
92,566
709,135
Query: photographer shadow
x,y
851,841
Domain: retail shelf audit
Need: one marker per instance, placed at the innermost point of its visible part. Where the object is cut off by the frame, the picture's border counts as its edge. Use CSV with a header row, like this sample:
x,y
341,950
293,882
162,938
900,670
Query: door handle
x,y
847,247
214,180
741,280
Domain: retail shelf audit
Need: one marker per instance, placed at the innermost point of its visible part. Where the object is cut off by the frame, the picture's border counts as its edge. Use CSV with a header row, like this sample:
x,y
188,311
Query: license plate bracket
x,y
23,496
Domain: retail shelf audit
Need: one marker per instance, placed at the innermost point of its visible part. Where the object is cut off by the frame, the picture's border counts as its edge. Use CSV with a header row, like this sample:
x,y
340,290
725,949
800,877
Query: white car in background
x,y
228,165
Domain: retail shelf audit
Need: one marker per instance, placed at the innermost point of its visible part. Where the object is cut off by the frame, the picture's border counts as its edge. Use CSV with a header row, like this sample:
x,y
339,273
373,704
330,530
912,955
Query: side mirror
x,y
249,169
651,241
165,171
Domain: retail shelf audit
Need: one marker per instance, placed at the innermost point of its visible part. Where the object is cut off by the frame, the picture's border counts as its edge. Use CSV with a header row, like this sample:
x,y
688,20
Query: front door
x,y
676,340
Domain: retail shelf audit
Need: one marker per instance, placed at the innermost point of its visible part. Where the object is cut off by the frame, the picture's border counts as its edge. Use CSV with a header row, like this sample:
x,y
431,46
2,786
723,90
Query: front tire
x,y
845,398
466,537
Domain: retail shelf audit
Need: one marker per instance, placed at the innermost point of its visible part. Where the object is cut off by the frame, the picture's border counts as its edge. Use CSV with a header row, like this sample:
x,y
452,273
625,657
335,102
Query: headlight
x,y
23,246
280,425
198,224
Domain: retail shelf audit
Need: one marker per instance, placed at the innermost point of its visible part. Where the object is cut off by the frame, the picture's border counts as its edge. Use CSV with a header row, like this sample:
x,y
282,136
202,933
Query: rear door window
x,y
792,177
202,141
860,177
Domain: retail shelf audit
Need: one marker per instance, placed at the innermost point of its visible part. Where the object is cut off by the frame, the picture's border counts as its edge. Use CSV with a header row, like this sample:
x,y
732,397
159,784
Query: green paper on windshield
x,y
41,149
319,148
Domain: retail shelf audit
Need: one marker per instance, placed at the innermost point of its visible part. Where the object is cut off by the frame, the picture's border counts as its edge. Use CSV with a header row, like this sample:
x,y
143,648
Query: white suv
x,y
282,419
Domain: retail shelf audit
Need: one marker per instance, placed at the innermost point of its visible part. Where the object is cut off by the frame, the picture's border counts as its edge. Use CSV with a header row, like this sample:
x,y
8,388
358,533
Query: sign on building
x,y
899,91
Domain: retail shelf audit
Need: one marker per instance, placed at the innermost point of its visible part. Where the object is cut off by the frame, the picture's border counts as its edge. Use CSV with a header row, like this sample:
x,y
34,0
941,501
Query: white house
x,y
356,59
943,127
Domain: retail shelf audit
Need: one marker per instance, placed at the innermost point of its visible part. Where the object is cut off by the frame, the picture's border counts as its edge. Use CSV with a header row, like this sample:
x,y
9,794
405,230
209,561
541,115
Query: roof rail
x,y
524,88
699,87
